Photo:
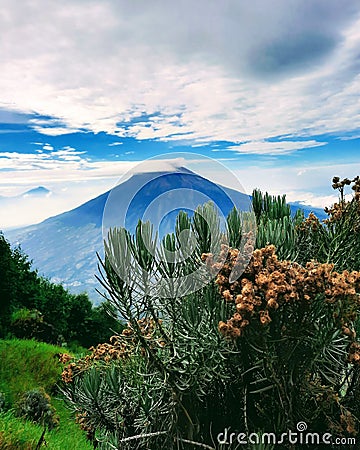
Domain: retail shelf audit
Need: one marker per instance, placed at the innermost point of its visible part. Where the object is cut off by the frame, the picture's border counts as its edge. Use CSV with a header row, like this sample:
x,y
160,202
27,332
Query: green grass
x,y
17,434
27,365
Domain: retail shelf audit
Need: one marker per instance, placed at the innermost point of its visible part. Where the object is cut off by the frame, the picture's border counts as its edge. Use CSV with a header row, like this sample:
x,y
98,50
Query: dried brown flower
x,y
270,284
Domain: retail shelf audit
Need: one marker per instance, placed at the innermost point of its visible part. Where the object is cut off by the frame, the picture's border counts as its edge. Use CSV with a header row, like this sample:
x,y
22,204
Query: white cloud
x,y
68,165
205,77
55,131
71,179
273,148
28,210
307,184
52,160
309,198
57,166
349,138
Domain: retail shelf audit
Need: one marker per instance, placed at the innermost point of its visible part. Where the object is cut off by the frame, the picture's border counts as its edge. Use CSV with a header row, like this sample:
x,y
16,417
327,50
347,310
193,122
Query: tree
x,y
33,307
103,324
7,284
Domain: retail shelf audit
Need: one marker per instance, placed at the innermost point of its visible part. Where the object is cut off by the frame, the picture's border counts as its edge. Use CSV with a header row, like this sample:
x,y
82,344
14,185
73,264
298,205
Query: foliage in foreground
x,y
27,365
255,353
35,405
19,434
29,372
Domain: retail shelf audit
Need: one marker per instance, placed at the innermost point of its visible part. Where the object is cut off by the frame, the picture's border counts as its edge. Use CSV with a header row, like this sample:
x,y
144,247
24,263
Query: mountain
x,y
26,208
319,212
40,191
64,247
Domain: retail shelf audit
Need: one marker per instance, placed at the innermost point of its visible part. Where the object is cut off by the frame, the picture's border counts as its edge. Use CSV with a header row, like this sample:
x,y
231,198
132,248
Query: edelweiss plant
x,y
257,347
298,325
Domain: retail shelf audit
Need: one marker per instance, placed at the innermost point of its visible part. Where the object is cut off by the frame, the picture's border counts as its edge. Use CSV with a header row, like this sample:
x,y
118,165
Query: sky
x,y
90,88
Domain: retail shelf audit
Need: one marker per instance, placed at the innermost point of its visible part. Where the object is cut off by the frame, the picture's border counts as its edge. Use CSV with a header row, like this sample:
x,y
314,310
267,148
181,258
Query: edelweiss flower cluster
x,y
339,209
310,223
354,353
115,350
119,348
268,284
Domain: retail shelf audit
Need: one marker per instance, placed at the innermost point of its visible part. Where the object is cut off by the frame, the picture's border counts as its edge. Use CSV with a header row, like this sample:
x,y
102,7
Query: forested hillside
x,y
33,307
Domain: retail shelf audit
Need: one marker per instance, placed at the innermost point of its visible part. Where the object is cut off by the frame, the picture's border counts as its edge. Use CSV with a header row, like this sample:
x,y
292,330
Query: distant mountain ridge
x,y
26,208
38,192
64,247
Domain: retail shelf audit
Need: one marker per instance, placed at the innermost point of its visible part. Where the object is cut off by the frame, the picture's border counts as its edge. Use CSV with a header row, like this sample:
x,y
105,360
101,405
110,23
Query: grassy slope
x,y
16,434
27,365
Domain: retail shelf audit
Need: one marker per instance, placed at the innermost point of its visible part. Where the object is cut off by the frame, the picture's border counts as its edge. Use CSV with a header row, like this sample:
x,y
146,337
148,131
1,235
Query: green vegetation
x,y
27,365
263,346
18,434
253,330
33,307
31,369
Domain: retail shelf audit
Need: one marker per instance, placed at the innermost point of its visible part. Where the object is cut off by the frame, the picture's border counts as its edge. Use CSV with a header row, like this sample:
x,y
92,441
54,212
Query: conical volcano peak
x,y
157,166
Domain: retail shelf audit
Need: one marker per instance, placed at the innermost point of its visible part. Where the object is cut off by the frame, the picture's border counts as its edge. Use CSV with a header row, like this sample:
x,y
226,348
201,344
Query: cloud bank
x,y
198,71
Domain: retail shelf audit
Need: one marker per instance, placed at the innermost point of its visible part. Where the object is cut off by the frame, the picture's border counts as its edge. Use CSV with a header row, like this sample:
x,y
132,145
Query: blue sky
x,y
87,89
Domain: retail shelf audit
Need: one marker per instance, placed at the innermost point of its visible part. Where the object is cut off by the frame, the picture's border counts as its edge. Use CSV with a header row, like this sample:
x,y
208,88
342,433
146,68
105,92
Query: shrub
x,y
296,326
262,347
35,405
29,324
